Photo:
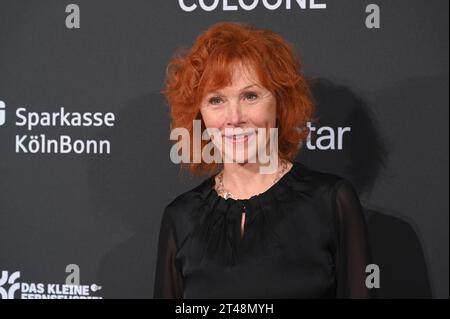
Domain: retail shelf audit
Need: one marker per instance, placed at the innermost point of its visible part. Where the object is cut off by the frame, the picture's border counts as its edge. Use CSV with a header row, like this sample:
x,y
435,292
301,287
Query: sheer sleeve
x,y
168,277
352,255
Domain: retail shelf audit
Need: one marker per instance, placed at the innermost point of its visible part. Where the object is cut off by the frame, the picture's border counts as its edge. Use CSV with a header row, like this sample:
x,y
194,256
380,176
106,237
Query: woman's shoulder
x,y
182,211
189,200
304,176
331,189
336,193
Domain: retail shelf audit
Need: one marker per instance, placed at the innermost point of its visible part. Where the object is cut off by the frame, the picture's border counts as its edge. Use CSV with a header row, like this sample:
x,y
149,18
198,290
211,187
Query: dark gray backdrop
x,y
102,211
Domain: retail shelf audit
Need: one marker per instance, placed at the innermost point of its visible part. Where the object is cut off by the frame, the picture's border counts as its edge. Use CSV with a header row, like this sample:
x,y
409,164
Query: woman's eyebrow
x,y
244,88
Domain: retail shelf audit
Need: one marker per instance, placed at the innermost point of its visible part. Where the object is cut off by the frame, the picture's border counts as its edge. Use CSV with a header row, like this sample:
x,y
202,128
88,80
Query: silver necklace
x,y
221,191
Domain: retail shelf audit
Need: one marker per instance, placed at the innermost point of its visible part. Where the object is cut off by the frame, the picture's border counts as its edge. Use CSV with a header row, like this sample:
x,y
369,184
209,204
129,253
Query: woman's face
x,y
237,111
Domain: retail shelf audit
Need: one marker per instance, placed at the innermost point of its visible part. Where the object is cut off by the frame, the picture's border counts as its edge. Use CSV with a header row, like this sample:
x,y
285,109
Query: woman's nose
x,y
235,114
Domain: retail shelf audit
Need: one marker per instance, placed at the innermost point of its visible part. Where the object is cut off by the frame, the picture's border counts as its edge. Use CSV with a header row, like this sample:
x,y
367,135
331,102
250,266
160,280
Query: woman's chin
x,y
241,158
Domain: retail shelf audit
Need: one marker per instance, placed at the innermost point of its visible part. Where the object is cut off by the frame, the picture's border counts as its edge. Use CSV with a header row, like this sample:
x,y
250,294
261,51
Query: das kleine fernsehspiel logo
x,y
12,287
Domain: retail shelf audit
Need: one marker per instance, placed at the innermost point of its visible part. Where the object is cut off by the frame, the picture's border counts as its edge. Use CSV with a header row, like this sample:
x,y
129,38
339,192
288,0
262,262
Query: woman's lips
x,y
240,138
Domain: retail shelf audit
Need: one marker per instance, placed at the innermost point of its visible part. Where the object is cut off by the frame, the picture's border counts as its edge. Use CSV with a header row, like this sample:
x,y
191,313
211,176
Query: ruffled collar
x,y
217,228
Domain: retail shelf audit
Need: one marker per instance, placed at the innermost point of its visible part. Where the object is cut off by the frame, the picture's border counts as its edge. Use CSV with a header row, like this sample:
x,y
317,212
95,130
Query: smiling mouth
x,y
239,138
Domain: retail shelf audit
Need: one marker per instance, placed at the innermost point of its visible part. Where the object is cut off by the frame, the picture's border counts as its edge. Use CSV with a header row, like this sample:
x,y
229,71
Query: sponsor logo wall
x,y
85,139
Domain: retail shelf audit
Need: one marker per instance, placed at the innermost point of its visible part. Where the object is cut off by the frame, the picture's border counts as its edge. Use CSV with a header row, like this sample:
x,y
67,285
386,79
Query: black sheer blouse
x,y
305,237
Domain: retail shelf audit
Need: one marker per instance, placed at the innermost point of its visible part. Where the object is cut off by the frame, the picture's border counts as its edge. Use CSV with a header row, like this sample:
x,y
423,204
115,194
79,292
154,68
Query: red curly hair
x,y
206,66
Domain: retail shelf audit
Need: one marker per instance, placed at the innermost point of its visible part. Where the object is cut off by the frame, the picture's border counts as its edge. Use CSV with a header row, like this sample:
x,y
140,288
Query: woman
x,y
290,232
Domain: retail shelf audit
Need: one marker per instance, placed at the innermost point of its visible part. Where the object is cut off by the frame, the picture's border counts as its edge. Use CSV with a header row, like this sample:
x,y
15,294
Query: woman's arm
x,y
168,277
353,253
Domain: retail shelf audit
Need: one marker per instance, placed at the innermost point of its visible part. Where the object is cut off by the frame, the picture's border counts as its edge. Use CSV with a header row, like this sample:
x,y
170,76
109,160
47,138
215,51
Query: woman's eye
x,y
213,100
251,96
